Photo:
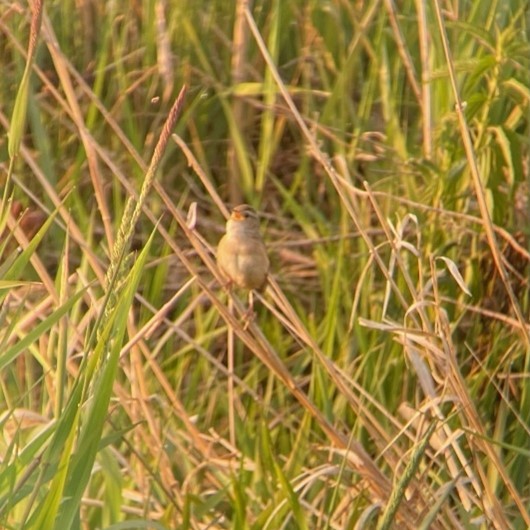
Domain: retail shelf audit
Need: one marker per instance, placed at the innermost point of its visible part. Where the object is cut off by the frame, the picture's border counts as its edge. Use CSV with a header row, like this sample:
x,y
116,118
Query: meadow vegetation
x,y
383,381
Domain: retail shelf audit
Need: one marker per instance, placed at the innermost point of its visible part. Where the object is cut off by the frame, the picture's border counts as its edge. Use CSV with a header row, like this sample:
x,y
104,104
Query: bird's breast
x,y
244,261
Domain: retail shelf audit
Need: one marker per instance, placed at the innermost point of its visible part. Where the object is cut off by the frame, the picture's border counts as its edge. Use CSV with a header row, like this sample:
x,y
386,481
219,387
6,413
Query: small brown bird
x,y
241,254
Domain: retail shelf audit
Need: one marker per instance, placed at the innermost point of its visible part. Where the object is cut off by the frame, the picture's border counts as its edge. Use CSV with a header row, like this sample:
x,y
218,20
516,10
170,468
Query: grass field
x,y
384,379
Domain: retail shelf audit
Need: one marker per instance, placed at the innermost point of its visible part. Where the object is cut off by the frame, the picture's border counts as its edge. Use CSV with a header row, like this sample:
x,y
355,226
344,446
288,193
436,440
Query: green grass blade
x,y
92,428
33,335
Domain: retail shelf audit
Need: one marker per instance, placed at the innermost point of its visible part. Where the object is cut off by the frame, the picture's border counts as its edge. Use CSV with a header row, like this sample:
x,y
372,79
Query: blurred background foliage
x,y
357,210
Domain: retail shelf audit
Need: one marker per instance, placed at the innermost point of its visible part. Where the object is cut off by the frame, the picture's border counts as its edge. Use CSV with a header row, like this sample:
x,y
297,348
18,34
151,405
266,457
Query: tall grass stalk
x,y
383,378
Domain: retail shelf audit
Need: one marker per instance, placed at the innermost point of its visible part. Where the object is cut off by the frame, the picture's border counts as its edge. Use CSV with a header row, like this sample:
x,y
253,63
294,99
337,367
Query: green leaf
x,y
268,140
20,263
11,284
109,344
18,119
32,336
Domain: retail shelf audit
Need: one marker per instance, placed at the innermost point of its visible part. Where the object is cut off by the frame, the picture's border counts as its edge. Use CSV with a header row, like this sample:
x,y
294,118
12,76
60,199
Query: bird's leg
x,y
228,284
249,315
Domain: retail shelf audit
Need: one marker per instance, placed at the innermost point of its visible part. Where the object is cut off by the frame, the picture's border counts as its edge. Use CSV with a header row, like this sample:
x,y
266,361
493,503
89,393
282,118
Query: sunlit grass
x,y
371,389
